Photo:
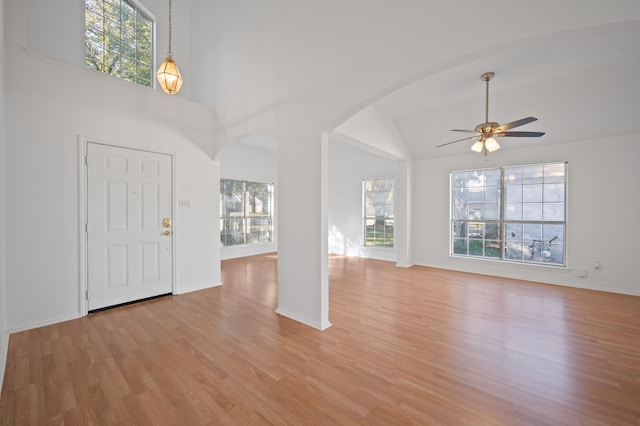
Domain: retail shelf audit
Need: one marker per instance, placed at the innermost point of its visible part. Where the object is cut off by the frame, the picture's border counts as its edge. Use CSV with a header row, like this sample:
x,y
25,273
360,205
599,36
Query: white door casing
x,y
129,242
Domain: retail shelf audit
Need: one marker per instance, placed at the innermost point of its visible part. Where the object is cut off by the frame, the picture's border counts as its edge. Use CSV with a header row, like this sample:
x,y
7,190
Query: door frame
x,y
83,278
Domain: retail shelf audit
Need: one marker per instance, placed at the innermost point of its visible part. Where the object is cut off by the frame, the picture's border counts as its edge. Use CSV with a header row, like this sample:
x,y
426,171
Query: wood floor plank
x,y
407,346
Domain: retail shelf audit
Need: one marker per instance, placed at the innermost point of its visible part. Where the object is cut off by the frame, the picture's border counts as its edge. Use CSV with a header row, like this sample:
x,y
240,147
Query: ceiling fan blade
x,y
516,123
520,134
462,130
459,140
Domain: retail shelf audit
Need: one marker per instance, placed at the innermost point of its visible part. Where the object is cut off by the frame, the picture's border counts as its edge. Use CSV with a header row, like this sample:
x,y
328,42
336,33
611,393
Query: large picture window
x,y
378,209
119,40
513,213
246,212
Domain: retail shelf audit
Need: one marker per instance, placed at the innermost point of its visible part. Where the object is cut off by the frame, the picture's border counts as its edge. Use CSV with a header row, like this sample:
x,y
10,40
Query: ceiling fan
x,y
485,132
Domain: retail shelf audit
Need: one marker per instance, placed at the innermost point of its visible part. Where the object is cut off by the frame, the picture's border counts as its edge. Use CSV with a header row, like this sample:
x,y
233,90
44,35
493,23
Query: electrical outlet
x,y
581,273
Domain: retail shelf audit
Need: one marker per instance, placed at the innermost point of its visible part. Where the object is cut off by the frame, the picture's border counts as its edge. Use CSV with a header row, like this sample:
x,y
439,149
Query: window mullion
x,y
502,207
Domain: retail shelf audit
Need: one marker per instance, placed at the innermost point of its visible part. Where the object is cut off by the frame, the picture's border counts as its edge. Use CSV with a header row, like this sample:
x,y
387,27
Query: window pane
x,y
492,231
513,211
492,211
533,241
460,203
460,246
492,249
553,192
532,211
554,172
232,231
554,212
475,212
258,230
513,194
513,176
513,251
492,195
513,238
476,247
460,179
459,229
492,177
532,193
531,174
553,252
476,230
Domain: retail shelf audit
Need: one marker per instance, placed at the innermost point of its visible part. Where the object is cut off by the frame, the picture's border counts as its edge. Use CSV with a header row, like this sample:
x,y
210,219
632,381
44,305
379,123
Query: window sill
x,y
526,265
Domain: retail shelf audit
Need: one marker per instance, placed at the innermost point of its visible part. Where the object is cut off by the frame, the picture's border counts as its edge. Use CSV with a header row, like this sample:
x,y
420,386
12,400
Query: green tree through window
x,y
378,211
119,40
246,212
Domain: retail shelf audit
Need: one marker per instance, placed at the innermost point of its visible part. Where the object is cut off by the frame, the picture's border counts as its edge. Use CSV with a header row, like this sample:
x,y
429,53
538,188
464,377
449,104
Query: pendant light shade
x,y
168,74
169,77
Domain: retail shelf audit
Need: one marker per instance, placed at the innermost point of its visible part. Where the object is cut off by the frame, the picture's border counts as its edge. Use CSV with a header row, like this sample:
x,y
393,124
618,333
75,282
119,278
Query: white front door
x,y
129,229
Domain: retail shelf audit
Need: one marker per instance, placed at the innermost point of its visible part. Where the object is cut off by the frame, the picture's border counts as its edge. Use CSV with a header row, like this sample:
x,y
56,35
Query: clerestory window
x,y
119,40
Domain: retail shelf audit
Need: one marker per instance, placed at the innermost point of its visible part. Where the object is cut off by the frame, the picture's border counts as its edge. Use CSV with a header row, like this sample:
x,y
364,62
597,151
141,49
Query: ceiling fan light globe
x,y
492,145
477,147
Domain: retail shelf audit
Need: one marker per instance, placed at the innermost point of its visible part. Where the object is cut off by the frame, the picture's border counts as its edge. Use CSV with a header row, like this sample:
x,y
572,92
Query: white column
x,y
302,229
403,198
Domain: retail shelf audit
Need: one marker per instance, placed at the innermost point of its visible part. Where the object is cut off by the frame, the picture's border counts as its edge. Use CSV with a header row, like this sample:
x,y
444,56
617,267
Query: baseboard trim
x,y
314,324
44,323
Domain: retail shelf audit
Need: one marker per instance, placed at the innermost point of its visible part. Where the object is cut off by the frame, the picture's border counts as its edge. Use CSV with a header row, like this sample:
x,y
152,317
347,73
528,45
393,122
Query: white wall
x,y
63,37
602,223
378,130
348,165
3,207
243,161
50,104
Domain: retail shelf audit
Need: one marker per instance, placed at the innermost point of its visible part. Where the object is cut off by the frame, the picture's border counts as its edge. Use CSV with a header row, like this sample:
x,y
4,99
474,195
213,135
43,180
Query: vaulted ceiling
x,y
580,84
573,64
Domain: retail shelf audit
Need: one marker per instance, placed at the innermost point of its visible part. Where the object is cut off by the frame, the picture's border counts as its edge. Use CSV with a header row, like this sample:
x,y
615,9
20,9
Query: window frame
x,y
366,218
248,216
138,10
543,245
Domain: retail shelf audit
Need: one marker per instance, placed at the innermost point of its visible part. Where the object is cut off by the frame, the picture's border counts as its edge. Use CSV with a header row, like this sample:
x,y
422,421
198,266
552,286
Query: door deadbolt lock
x,y
167,232
166,222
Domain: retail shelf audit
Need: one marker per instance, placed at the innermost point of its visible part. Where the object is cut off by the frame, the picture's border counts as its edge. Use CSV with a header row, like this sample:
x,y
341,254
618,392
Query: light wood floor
x,y
407,346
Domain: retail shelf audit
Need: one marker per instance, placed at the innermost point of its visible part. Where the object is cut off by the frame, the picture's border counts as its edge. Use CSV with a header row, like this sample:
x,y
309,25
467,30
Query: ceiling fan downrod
x,y
486,77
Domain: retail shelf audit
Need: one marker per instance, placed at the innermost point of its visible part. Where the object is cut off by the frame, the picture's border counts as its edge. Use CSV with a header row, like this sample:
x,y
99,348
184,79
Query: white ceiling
x,y
573,64
580,84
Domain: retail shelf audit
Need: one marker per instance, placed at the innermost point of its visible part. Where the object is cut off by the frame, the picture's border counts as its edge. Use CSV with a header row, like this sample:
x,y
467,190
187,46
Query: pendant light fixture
x,y
168,74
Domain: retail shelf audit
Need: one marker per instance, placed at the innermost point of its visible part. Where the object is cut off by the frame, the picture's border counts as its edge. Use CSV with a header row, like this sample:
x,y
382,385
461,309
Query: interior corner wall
x,y
347,167
602,213
241,161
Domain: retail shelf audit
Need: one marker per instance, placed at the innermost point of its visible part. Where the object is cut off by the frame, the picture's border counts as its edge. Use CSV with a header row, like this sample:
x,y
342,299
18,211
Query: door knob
x,y
166,222
167,232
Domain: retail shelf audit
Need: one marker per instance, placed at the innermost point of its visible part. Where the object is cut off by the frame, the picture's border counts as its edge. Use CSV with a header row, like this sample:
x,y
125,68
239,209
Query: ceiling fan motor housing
x,y
487,128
